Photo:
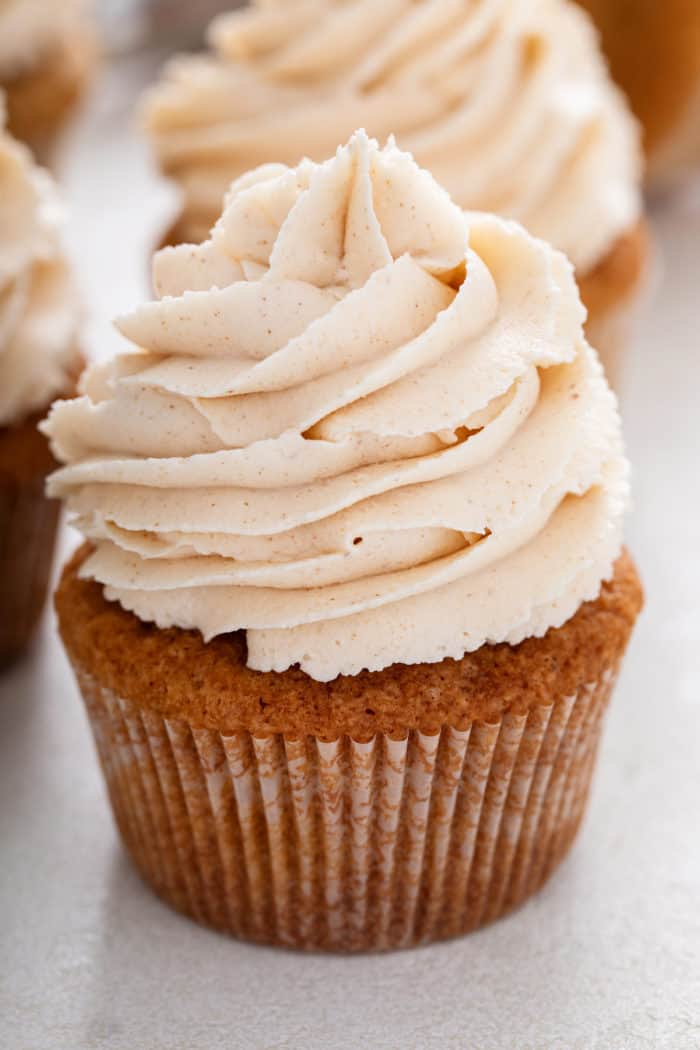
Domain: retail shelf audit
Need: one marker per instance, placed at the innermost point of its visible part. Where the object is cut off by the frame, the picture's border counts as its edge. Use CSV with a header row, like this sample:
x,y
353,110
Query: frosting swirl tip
x,y
361,425
39,310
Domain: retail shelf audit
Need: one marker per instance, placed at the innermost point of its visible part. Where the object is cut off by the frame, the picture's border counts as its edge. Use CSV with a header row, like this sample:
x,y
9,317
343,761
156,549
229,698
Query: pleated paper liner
x,y
348,845
28,527
28,523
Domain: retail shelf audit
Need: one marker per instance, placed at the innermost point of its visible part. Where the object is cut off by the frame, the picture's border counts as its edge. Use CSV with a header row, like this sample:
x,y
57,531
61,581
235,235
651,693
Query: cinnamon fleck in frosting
x,y
362,426
508,104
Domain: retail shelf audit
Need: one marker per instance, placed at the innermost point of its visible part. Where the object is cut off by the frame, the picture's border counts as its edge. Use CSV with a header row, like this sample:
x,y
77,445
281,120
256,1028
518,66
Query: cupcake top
x,y
39,312
29,30
507,102
363,426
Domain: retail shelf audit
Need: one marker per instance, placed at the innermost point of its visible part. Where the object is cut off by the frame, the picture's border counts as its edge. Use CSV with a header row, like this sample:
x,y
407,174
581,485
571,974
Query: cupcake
x,y
654,53
509,104
46,61
39,360
353,596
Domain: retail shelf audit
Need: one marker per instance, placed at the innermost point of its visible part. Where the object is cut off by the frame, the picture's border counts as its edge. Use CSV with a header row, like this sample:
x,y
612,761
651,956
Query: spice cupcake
x,y
39,360
46,61
508,104
353,595
654,53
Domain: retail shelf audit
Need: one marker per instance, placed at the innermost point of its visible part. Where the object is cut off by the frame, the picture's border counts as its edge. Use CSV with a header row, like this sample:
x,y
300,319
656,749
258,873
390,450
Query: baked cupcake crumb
x,y
209,685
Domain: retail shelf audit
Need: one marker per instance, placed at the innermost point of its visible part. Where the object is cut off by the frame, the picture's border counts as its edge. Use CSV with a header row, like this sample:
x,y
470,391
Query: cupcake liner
x,y
28,524
348,845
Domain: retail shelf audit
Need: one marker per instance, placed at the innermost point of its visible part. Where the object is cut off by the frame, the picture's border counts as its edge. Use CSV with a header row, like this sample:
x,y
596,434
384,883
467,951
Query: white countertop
x,y
607,957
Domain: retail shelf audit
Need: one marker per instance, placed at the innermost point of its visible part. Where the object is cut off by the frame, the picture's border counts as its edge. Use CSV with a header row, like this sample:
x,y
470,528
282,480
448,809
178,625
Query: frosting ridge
x,y
508,104
39,313
362,425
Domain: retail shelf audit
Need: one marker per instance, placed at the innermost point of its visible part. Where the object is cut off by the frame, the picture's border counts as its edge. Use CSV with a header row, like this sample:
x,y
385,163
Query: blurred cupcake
x,y
46,60
353,596
39,360
654,53
175,23
509,104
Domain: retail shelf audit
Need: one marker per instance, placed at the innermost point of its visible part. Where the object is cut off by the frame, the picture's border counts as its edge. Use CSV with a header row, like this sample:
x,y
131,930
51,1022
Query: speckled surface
x,y
606,958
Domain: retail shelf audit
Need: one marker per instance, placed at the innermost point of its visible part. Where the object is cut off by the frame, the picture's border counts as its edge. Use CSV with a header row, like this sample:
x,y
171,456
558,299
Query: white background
x,y
606,958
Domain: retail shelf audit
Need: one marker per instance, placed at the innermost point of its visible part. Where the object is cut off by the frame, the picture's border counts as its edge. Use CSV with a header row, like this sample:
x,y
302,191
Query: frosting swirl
x,y
362,426
38,305
508,104
28,30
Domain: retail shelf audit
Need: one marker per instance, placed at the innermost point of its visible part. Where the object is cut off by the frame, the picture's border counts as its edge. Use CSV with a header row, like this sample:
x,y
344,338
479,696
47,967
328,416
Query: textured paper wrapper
x,y
348,845
28,523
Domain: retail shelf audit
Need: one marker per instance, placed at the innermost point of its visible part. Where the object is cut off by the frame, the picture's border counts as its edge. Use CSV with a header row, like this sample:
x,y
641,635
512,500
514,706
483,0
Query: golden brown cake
x,y
654,54
510,107
503,743
39,361
353,596
28,523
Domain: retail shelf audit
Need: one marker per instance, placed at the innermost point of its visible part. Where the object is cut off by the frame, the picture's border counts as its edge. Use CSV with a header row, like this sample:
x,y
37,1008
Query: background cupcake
x,y
39,359
509,104
339,622
654,53
47,57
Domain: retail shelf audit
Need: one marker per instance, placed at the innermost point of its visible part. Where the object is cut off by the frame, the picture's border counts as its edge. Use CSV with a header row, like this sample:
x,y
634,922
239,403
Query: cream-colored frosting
x,y
363,426
507,103
29,29
39,311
